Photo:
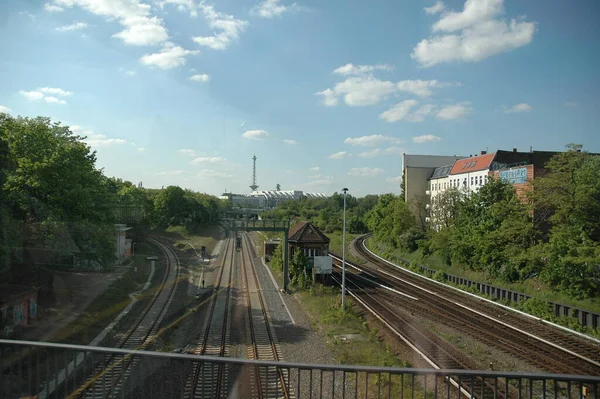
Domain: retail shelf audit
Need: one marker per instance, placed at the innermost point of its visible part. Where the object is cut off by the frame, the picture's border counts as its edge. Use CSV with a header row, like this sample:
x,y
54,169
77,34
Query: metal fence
x,y
45,370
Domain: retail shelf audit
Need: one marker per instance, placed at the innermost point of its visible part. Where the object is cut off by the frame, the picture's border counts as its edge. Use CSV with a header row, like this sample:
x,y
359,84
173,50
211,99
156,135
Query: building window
x,y
471,180
485,181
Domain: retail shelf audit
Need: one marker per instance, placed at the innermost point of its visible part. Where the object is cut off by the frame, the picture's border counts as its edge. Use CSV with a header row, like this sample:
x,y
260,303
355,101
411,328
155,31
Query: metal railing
x,y
30,368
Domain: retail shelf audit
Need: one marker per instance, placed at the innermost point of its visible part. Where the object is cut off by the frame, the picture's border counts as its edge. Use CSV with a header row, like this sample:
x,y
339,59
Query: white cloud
x,y
427,138
314,177
94,139
422,88
182,5
170,173
338,155
329,97
456,111
434,9
200,77
55,90
73,26
32,95
290,141
365,89
398,111
54,100
141,149
314,169
255,134
5,110
371,141
359,91
226,26
272,8
378,152
128,72
187,152
214,173
351,69
480,35
140,27
396,179
571,104
170,56
142,31
201,160
518,108
365,172
52,8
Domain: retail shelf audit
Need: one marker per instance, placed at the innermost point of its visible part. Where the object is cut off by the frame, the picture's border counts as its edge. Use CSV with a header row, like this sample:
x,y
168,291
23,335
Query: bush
x,y
440,276
409,240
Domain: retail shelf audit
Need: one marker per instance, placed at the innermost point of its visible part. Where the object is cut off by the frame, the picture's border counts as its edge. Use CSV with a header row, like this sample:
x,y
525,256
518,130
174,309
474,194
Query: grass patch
x,y
532,287
362,346
110,303
323,304
335,245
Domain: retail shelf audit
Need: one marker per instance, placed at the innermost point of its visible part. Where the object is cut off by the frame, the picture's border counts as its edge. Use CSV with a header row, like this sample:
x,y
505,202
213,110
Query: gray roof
x,y
442,171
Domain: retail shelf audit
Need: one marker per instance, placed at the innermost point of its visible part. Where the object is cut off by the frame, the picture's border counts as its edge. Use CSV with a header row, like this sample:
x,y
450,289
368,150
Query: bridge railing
x,y
63,371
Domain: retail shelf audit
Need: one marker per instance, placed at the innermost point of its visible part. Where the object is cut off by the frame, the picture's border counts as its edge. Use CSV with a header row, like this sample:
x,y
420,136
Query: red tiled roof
x,y
306,232
473,164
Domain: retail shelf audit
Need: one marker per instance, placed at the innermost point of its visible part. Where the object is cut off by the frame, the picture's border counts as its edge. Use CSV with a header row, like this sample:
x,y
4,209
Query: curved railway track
x,y
208,380
266,382
432,348
109,375
540,345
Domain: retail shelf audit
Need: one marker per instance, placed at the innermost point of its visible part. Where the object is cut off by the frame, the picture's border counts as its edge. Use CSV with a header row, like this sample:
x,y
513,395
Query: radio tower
x,y
254,186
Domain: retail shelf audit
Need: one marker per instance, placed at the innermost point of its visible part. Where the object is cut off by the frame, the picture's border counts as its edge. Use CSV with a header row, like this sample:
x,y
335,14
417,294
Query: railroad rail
x,y
209,380
109,375
430,347
269,382
525,339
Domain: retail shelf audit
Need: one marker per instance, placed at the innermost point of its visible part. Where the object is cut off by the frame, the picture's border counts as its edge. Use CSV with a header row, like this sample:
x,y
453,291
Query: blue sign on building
x,y
514,176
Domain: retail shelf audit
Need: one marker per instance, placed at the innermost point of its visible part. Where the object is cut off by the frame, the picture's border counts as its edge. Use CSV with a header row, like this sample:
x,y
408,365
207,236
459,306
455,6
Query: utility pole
x,y
345,190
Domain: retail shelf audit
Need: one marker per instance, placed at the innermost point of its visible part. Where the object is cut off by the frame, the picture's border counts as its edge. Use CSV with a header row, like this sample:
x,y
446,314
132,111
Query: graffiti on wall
x,y
18,315
32,308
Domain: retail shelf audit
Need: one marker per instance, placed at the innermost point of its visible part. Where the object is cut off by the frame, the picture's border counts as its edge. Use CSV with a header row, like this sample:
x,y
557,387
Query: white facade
x,y
470,181
417,170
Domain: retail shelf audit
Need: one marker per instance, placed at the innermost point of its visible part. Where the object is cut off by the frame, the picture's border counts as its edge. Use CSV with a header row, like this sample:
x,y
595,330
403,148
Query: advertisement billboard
x,y
514,176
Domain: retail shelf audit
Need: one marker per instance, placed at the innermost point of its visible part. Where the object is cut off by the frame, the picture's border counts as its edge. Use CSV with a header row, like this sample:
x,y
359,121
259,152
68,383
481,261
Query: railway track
x,y
537,344
208,380
432,348
109,375
266,382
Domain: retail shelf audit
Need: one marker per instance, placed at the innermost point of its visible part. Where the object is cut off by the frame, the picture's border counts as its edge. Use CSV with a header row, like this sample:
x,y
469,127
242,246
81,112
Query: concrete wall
x,y
417,169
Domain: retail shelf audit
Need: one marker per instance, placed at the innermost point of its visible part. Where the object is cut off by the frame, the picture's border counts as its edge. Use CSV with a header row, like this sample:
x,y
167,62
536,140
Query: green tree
x,y
60,202
567,199
297,268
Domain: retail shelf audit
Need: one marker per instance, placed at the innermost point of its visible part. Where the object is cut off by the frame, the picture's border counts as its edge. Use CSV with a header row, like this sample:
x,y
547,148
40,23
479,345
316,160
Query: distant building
x,y
471,173
268,199
416,172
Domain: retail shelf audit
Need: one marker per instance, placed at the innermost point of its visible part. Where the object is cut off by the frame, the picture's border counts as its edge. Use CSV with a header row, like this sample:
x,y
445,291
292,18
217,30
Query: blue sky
x,y
327,94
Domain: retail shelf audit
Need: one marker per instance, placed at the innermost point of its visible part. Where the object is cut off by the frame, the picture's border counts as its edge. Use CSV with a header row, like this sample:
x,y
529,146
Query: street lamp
x,y
345,190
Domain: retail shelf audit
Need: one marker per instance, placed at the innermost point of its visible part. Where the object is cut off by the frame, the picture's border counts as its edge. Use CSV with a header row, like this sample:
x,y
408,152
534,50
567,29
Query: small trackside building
x,y
306,237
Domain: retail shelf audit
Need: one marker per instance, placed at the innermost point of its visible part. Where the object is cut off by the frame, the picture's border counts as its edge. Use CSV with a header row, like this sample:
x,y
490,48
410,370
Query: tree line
x,y
58,209
553,234
327,213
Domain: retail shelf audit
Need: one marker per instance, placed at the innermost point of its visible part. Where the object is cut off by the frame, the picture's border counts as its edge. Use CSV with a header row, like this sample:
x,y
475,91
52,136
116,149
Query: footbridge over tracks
x,y
248,225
